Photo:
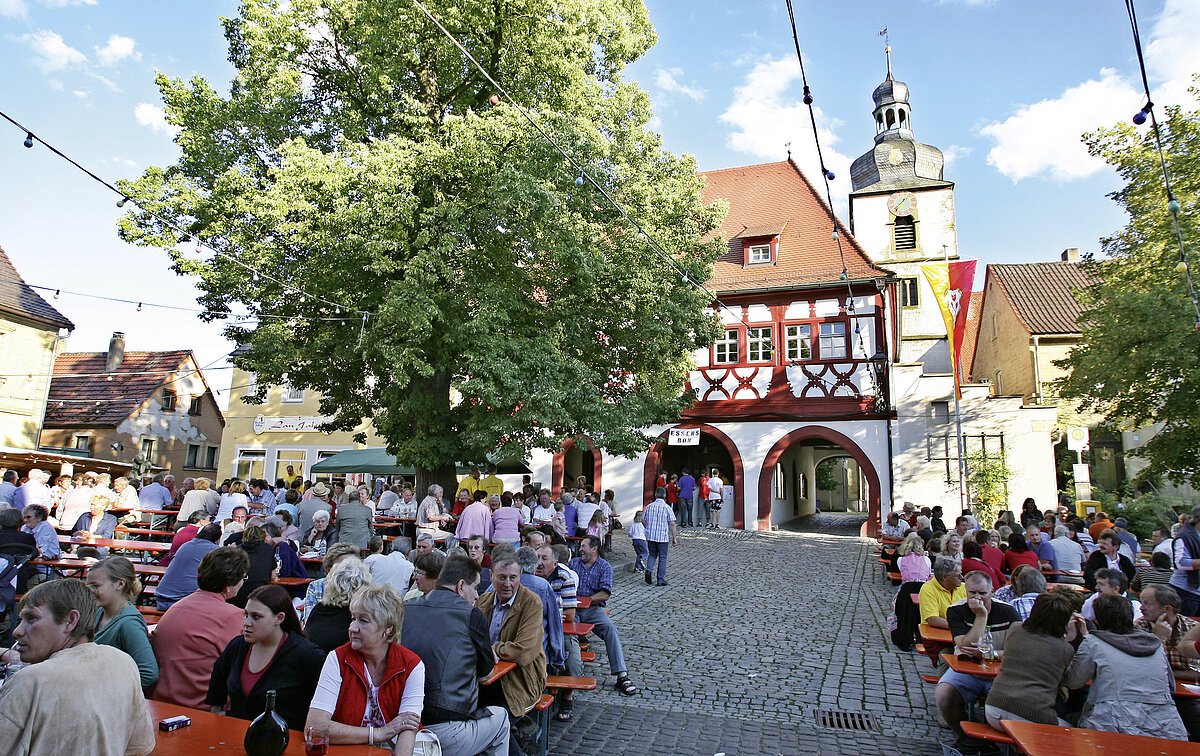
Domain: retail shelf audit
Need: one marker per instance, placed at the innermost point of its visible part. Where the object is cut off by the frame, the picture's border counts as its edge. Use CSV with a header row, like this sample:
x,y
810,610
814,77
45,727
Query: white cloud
x,y
66,3
153,117
954,152
82,94
1045,138
667,79
14,8
51,52
767,114
105,81
117,49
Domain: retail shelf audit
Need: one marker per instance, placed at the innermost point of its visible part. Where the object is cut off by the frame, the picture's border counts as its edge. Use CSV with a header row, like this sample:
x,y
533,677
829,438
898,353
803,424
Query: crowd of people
x,y
385,646
1103,651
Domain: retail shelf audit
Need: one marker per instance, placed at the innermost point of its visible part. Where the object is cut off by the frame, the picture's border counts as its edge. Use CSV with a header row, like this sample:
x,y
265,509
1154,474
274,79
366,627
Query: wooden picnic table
x,y
577,628
935,634
212,733
1052,740
85,564
501,669
110,543
988,669
292,581
1065,573
584,601
146,532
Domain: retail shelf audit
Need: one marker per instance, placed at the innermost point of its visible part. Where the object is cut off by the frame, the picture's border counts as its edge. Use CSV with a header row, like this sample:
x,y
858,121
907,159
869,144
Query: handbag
x,y
427,744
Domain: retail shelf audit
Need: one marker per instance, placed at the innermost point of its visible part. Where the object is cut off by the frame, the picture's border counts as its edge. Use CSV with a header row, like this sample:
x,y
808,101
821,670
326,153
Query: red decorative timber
x,y
654,455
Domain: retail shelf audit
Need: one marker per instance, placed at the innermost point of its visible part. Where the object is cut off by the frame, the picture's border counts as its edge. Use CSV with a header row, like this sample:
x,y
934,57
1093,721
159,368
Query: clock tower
x,y
902,212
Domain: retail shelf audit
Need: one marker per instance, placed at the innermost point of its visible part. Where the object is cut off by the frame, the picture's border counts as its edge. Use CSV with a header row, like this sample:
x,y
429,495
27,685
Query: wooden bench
x,y
146,532
556,683
931,679
986,733
587,656
150,613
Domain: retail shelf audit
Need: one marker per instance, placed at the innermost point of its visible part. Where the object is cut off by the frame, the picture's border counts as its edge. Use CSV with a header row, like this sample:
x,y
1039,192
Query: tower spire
x,y
887,49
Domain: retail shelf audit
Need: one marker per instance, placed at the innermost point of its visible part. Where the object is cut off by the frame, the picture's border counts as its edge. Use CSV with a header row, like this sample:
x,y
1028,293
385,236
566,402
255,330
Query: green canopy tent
x,y
377,461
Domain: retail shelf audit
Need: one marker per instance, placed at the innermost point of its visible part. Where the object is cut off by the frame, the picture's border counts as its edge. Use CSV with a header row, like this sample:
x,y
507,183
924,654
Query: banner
x,y
951,284
684,437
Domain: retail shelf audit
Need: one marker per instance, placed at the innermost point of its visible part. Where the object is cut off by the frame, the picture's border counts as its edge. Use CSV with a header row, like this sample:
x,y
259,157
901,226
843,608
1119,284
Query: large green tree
x,y
1138,362
360,157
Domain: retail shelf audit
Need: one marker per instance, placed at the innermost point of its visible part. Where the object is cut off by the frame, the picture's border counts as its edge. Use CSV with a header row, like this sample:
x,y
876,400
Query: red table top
x,y
116,544
1052,740
211,733
501,669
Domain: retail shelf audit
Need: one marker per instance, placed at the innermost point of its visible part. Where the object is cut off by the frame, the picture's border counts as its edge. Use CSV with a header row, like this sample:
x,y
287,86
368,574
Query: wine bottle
x,y
267,735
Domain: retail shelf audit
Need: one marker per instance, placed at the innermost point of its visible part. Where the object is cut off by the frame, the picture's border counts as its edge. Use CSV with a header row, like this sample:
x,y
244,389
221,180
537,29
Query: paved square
x,y
755,633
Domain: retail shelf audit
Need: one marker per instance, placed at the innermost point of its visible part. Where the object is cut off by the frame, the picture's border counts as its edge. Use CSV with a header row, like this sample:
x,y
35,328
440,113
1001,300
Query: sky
x,y
1004,88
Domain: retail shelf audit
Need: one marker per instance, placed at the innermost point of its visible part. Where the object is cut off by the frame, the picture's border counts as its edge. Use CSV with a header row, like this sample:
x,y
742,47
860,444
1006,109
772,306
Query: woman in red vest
x,y
371,689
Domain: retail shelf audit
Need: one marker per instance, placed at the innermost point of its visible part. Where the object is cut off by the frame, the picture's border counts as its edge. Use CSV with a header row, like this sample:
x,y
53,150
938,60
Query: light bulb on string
x,y
834,235
808,98
1181,267
28,139
57,293
829,174
579,179
121,202
139,307
1173,206
1140,117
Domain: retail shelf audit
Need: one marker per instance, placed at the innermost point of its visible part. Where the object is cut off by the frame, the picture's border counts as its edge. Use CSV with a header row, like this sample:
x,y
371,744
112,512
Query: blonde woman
x,y
114,586
952,546
328,624
913,564
236,497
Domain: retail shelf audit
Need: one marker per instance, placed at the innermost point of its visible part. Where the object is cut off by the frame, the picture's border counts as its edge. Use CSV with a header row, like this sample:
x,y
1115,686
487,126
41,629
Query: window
x,y
909,289
725,349
168,400
148,448
326,477
756,254
833,341
194,406
292,395
84,443
799,342
250,463
758,344
293,458
998,386
905,232
251,383
210,457
995,328
939,412
192,459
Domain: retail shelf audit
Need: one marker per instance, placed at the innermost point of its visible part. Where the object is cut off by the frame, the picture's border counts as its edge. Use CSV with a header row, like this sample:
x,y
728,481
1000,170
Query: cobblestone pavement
x,y
755,633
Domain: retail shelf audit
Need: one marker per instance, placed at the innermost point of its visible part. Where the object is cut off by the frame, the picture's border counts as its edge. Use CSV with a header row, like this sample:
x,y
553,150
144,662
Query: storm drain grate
x,y
847,720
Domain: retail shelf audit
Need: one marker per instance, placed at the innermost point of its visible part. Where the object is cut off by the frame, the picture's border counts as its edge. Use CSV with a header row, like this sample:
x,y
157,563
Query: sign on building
x,y
264,424
684,437
1077,439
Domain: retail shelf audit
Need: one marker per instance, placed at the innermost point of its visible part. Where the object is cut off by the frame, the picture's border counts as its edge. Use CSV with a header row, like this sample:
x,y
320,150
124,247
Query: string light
x,y
184,235
121,202
139,307
579,179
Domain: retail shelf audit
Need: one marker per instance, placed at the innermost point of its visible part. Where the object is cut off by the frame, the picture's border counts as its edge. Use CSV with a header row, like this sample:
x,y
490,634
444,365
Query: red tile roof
x,y
80,397
1041,294
18,298
971,334
777,196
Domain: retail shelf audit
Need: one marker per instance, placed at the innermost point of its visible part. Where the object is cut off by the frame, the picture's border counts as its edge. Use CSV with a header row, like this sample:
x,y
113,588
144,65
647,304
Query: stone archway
x,y
558,466
824,434
654,457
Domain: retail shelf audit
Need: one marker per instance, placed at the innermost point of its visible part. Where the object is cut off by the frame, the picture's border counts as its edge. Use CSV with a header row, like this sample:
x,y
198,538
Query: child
x,y
637,532
559,520
596,524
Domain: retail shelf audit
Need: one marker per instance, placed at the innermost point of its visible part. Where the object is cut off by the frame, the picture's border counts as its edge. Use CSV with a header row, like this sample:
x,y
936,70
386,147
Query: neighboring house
x,y
31,331
115,405
261,440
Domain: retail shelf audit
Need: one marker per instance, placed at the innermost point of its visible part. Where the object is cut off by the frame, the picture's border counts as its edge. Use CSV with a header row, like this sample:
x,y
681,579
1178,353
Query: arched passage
x,y
574,461
654,464
765,476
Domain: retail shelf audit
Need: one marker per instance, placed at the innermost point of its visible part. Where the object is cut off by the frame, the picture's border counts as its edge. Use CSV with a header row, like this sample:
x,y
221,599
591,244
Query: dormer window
x,y
758,254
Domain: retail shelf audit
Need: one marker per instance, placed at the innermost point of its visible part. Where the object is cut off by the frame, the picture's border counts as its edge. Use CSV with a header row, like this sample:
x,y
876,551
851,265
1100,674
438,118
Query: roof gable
x,y
1042,294
82,394
19,298
776,197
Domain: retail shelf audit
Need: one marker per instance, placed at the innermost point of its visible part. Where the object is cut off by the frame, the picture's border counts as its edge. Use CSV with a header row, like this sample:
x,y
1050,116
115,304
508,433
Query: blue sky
x,y
1005,88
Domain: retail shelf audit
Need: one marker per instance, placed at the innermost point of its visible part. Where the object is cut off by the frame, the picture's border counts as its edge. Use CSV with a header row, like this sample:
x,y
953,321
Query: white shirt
x,y
715,484
1089,609
393,569
1163,548
330,684
543,514
584,511
526,514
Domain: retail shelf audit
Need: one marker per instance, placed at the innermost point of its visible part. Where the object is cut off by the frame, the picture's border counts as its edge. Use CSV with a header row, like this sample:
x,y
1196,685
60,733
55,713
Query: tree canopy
x,y
358,156
1138,362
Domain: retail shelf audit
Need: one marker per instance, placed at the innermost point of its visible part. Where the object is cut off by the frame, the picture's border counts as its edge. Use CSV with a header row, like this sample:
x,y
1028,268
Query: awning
x,y
377,461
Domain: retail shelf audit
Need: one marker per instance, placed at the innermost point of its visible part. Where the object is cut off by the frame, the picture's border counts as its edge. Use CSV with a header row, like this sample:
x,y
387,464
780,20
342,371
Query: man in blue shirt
x,y
180,579
595,580
552,619
1041,546
687,494
155,495
262,501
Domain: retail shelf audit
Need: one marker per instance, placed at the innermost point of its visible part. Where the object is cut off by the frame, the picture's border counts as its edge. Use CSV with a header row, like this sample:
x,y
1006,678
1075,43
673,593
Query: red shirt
x,y
672,493
182,536
994,558
250,679
1013,559
970,565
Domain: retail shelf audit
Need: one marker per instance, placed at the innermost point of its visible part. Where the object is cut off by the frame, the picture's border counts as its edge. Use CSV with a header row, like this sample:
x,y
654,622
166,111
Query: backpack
x,y
10,567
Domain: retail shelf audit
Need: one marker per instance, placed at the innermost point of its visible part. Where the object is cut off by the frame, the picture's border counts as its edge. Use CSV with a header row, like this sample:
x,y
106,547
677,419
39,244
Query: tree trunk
x,y
445,475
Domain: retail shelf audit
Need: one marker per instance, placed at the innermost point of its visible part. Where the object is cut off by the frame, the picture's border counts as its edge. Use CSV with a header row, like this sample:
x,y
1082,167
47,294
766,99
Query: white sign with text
x,y
684,437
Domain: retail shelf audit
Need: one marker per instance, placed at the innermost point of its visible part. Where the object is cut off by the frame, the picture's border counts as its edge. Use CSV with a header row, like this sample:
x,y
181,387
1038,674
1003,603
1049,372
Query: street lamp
x,y
879,364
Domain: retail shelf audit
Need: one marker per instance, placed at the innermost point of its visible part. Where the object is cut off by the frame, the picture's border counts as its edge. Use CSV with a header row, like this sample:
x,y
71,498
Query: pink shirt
x,y
506,522
475,520
187,641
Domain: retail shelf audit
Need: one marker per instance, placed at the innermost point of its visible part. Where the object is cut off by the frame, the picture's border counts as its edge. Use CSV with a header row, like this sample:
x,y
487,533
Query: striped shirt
x,y
564,584
658,518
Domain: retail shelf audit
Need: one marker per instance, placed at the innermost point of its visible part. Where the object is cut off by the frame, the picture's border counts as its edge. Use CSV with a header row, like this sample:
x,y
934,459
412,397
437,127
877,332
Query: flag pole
x,y
958,434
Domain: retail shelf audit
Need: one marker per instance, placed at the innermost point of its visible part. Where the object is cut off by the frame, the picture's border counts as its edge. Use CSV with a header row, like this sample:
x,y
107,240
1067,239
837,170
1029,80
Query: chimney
x,y
116,352
1070,254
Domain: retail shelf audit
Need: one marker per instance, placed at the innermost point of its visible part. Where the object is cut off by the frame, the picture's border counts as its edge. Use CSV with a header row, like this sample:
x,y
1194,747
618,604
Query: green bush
x,y
1145,513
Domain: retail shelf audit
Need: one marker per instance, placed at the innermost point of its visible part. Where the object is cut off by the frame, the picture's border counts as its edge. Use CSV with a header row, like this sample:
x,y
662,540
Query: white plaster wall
x,y
153,422
1027,440
935,224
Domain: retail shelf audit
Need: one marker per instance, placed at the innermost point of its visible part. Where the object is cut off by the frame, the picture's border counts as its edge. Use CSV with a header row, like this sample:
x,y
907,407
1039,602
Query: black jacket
x,y
262,564
293,675
1097,561
328,626
451,637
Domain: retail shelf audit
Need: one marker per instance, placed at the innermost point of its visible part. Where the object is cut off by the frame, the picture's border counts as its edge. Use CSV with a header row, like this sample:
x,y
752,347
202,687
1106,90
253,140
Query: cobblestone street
x,y
756,633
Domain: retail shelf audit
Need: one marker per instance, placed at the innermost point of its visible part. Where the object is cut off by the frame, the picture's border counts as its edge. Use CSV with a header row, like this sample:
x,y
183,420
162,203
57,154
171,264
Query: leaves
x,y
1138,361
357,158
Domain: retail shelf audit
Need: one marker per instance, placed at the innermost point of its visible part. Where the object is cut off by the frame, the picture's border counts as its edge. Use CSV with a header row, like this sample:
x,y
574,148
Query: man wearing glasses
x,y
34,516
